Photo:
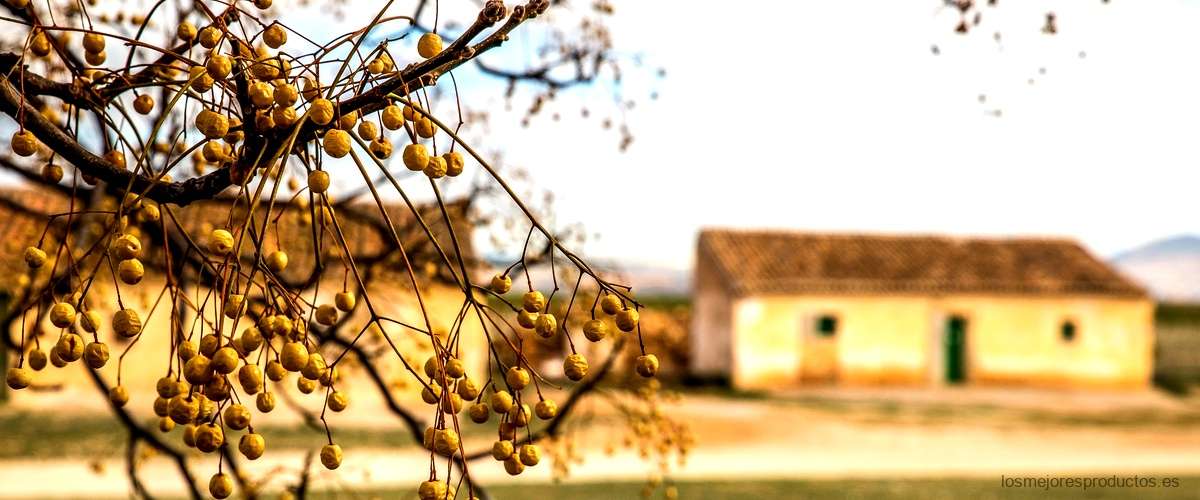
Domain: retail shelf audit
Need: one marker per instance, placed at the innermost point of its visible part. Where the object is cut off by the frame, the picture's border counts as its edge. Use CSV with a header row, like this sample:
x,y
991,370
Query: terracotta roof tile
x,y
20,230
779,262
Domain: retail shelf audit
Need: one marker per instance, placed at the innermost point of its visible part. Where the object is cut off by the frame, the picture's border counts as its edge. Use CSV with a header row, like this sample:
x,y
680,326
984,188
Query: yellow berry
x,y
502,450
533,301
277,261
479,413
221,242
502,401
93,42
118,396
326,314
213,125
367,130
252,445
283,116
127,246
331,456
318,181
336,143
209,437
423,126
376,66
647,365
527,319
18,378
262,94
467,389
415,157
530,455
224,361
513,466
392,118
274,36
286,95
219,66
62,314
90,321
233,305
434,490
338,401
344,301
186,350
315,366
595,330
144,104
431,394
454,163
40,45
221,485
436,168
627,320
210,36
519,415
575,367
347,120
445,441
381,148
116,158
24,143
293,356
265,402
126,323
35,257
250,377
320,111
517,377
429,45
95,354
52,173
545,325
185,31
501,284
37,359
95,58
131,271
237,417
610,304
546,409
198,370
183,409
199,78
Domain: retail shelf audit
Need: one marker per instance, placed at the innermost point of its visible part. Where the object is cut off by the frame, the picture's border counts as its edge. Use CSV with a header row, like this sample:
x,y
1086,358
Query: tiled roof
x,y
782,262
20,230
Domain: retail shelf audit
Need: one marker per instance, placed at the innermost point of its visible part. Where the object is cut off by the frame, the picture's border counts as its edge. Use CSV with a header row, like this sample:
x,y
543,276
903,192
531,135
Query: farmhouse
x,y
366,234
777,309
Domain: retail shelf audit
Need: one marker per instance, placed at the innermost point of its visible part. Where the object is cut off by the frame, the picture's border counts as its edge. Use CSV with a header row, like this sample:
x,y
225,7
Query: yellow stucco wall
x,y
147,360
898,339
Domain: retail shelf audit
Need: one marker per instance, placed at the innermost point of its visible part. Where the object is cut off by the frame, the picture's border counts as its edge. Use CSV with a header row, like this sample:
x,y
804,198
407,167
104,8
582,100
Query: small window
x,y
1067,331
826,326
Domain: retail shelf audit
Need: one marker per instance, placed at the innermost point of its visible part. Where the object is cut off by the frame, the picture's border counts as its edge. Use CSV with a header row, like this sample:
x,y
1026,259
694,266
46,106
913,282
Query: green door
x,y
956,343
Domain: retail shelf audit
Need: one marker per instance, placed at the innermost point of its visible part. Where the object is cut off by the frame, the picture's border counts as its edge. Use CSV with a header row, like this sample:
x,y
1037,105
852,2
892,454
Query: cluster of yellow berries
x,y
199,397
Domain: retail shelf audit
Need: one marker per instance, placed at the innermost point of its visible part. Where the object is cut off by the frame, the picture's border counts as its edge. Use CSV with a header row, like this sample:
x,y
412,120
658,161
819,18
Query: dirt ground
x,y
813,434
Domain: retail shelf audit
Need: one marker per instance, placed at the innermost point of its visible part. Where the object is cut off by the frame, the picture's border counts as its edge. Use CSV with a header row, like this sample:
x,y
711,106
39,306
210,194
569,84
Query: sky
x,y
836,116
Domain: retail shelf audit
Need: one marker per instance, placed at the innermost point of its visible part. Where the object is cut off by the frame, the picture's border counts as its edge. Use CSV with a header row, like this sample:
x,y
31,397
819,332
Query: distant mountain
x,y
1168,268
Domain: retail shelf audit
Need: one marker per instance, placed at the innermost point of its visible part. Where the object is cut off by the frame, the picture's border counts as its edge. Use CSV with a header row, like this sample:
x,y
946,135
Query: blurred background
x,y
888,251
